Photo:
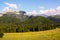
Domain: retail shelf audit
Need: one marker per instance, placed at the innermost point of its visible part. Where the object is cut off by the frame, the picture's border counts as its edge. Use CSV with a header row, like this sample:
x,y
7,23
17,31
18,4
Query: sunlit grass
x,y
42,35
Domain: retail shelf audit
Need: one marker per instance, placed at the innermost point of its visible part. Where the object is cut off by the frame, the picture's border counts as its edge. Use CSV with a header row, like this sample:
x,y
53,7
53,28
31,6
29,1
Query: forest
x,y
13,23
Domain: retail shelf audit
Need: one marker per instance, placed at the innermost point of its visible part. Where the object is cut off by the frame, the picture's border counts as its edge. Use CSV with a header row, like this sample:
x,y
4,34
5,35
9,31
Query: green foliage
x,y
1,35
9,23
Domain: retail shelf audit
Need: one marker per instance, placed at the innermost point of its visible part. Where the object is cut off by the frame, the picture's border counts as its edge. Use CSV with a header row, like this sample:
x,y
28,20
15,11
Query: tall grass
x,y
43,35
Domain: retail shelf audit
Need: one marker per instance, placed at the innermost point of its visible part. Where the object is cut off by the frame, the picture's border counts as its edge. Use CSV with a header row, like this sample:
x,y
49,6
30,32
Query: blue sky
x,y
29,5
34,7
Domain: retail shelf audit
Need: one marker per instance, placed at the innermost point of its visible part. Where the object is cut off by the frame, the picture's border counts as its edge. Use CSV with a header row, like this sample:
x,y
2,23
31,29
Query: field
x,y
42,35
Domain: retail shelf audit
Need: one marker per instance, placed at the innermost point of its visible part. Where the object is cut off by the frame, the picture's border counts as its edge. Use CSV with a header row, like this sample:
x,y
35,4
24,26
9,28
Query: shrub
x,y
1,35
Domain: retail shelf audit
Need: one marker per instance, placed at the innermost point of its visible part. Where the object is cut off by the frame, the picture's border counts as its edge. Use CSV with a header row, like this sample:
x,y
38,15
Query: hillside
x,y
55,18
9,23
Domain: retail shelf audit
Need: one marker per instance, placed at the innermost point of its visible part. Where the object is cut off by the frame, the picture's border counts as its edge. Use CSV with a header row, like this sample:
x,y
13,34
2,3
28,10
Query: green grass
x,y
42,35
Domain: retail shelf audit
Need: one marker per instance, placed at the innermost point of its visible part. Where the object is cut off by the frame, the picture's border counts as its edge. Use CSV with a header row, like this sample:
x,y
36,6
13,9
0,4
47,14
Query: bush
x,y
1,35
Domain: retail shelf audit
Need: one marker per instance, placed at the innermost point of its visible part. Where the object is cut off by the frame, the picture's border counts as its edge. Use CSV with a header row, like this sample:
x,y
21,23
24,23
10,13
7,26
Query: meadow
x,y
41,35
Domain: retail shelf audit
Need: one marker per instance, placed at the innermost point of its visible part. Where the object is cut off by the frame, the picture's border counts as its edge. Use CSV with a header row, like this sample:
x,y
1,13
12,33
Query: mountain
x,y
55,18
43,15
20,16
10,23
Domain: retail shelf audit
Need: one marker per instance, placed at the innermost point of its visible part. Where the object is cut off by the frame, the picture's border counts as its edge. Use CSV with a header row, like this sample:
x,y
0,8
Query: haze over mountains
x,y
41,12
55,18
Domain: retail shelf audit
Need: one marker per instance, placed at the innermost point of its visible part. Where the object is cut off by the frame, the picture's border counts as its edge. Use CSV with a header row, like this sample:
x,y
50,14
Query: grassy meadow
x,y
42,35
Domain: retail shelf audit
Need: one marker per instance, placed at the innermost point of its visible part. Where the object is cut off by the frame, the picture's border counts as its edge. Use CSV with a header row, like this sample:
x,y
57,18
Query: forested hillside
x,y
10,23
55,18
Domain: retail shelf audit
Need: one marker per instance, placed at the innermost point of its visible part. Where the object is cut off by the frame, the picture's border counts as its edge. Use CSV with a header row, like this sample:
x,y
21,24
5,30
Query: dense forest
x,y
10,22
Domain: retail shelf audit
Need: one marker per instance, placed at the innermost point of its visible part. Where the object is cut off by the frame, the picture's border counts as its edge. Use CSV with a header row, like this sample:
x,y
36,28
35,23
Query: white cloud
x,y
48,12
41,7
11,5
58,8
34,13
51,11
6,9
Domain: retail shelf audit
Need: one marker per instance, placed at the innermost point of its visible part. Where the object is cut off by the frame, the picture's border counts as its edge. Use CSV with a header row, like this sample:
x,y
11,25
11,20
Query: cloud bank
x,y
43,10
9,7
48,12
51,11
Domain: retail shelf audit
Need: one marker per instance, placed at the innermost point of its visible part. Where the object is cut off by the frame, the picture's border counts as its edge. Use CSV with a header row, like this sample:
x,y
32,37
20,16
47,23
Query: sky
x,y
32,7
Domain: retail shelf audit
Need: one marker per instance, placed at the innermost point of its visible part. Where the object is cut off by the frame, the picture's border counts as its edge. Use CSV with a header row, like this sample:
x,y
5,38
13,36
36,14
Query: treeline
x,y
37,23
